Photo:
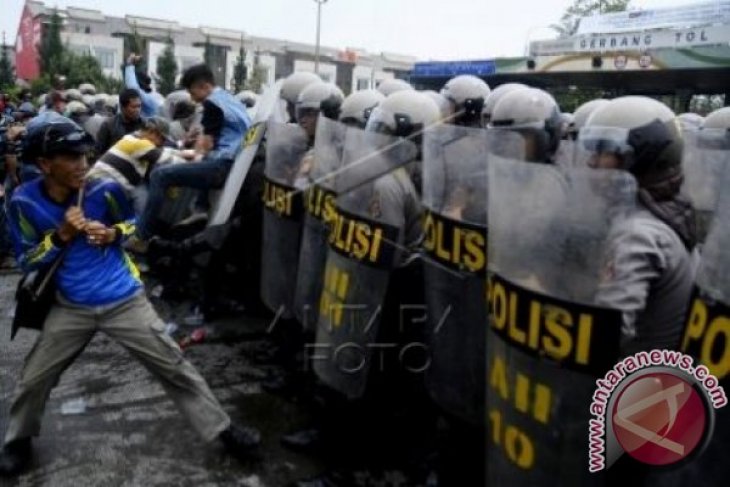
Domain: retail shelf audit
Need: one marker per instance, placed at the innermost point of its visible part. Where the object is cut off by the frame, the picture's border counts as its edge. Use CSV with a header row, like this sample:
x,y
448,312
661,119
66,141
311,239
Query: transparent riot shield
x,y
320,211
547,341
365,244
288,162
455,246
706,158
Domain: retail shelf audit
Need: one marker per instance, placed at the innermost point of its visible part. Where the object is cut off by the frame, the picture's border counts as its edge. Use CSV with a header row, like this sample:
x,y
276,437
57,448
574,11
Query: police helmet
x,y
72,94
247,97
295,83
642,136
357,107
467,93
534,113
403,114
389,86
719,119
87,89
494,98
316,98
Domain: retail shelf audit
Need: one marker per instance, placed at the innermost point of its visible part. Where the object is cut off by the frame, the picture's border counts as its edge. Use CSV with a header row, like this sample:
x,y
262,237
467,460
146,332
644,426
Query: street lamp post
x,y
319,26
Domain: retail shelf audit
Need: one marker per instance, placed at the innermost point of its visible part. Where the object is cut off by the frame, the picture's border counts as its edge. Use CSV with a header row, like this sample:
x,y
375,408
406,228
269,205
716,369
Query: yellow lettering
x,y
519,447
362,244
719,368
696,323
583,345
498,377
514,332
475,258
498,299
560,343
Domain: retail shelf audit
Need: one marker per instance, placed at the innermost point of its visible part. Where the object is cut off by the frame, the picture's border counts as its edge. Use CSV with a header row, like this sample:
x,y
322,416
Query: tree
x,y
568,25
167,69
240,70
7,73
135,43
51,50
208,52
258,76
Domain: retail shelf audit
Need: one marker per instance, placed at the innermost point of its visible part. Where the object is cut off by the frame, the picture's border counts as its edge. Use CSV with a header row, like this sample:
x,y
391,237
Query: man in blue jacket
x,y
225,123
99,289
142,83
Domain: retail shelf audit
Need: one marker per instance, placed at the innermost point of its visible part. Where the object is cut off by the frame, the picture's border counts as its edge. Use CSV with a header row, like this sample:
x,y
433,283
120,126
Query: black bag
x,y
34,297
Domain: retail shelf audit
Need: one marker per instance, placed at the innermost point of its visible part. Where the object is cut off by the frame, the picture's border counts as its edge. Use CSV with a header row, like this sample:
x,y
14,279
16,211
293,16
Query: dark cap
x,y
65,138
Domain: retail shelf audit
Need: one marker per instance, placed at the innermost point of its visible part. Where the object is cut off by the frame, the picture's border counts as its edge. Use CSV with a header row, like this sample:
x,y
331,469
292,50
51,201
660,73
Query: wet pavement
x,y
119,428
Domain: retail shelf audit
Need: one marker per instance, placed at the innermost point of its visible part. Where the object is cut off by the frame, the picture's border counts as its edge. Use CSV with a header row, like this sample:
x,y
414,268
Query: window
x,y
80,50
363,84
105,57
326,77
87,29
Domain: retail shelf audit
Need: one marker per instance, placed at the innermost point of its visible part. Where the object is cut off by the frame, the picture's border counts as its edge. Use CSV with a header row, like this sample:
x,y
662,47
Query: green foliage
x,y
258,76
240,70
167,69
51,49
7,72
704,104
568,25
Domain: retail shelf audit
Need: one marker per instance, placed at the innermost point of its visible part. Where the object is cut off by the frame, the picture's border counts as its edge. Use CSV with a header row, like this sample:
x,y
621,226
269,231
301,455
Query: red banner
x,y
26,46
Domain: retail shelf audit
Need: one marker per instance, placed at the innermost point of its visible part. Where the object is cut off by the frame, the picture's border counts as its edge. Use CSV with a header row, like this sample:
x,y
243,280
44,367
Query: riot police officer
x,y
491,102
292,86
534,114
357,107
467,95
650,266
389,86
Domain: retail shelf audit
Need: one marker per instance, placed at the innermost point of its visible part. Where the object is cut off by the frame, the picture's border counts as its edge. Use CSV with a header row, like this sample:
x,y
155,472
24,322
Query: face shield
x,y
605,148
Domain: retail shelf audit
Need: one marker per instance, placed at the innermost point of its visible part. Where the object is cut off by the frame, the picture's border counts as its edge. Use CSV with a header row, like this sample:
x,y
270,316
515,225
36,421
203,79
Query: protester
x,y
125,122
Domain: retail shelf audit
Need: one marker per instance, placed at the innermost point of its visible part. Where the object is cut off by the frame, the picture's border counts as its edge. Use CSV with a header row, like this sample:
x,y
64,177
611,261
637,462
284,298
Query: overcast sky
x,y
429,29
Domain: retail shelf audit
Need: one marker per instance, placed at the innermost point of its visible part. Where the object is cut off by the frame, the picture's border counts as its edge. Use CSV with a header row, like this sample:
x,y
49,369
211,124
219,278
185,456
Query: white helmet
x,y
583,113
87,89
534,113
73,94
356,108
389,86
88,99
76,107
324,98
494,98
404,113
445,106
467,93
248,98
295,83
719,119
690,121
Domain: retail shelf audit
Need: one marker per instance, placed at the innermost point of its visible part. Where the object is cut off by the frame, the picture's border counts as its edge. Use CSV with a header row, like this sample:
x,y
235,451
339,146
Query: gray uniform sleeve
x,y
637,257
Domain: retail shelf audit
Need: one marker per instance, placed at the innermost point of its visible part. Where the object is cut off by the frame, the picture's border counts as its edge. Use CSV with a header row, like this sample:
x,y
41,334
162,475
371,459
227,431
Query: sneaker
x,y
238,441
15,457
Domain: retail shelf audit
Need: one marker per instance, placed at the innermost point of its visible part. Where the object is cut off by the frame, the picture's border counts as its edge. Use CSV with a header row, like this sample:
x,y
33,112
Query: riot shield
x,y
365,244
706,157
547,341
266,107
319,206
566,154
455,229
707,339
287,164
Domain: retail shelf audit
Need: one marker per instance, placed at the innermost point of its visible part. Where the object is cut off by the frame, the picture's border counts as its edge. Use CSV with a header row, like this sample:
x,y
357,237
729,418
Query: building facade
x,y
110,40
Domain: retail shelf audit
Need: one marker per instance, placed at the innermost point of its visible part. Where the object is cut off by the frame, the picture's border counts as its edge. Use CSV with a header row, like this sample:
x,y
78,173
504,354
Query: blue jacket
x,y
88,275
150,106
235,126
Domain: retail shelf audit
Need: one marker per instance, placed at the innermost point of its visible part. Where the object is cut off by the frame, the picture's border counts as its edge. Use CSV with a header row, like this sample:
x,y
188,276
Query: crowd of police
x,y
447,273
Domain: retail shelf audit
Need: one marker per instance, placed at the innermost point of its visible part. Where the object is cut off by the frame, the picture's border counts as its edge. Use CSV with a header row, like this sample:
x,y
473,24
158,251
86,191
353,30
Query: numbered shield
x,y
365,244
319,215
288,162
455,246
707,339
547,340
706,158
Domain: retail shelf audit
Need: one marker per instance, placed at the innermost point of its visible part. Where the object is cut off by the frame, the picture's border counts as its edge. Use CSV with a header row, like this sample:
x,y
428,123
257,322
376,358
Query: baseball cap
x,y
65,138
